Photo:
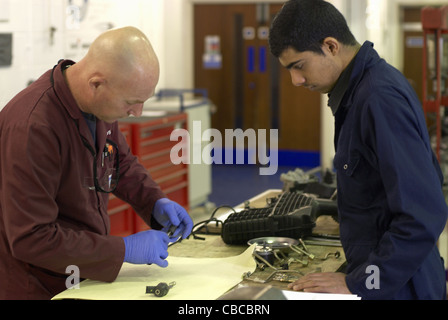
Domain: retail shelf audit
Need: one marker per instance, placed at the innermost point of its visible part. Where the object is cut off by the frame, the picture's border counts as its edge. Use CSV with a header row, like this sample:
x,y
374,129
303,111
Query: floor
x,y
234,184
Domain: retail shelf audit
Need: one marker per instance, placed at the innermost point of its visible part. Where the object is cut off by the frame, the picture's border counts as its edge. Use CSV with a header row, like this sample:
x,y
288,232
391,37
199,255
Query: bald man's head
x,y
119,62
123,48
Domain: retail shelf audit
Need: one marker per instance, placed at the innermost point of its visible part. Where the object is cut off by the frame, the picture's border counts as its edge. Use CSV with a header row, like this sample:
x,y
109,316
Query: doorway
x,y
246,83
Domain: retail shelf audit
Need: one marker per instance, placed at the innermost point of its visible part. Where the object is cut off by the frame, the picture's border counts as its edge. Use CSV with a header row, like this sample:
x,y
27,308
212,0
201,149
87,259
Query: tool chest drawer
x,y
121,217
152,136
126,130
149,140
160,156
151,144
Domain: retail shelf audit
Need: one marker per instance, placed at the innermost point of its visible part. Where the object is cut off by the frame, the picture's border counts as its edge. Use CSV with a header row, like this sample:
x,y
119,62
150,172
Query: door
x,y
246,83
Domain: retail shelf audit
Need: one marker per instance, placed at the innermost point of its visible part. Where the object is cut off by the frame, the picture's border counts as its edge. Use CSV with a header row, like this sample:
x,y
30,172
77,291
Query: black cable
x,y
204,224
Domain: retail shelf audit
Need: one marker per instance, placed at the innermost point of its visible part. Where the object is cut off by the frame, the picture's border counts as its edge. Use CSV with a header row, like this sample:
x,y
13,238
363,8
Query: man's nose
x,y
297,79
136,110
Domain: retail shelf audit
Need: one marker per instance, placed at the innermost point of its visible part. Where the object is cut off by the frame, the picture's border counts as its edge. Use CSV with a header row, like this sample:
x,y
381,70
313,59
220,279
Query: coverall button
x,y
345,166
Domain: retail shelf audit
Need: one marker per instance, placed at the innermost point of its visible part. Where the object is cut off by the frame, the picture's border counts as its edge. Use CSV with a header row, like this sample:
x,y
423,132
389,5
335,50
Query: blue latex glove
x,y
169,213
147,247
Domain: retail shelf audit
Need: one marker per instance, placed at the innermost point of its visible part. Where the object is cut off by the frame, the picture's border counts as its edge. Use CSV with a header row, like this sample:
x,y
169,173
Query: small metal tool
x,y
299,250
161,289
303,245
279,275
171,230
336,255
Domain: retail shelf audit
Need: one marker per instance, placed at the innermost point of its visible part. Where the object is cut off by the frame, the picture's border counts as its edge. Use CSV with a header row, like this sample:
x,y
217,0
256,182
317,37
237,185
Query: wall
x,y
33,49
43,33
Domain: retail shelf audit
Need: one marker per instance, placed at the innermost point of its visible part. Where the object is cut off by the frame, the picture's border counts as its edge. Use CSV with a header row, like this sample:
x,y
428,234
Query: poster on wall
x,y
4,10
212,57
5,49
84,21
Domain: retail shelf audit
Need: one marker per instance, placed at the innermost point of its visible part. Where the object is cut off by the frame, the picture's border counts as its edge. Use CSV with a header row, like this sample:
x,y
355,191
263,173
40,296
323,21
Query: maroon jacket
x,y
49,217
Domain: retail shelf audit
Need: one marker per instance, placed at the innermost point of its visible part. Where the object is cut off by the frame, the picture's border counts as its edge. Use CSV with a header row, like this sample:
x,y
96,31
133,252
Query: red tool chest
x,y
149,140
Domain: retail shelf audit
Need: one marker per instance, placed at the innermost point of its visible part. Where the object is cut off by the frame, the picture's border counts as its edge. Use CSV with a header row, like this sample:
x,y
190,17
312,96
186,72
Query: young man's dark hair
x,y
304,24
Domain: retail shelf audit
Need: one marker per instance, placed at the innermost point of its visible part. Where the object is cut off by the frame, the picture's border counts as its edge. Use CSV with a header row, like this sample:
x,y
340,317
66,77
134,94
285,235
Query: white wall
x,y
35,51
29,21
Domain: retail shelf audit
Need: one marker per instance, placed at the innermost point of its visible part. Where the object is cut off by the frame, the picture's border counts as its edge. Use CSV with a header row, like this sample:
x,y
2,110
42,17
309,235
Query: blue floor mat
x,y
234,184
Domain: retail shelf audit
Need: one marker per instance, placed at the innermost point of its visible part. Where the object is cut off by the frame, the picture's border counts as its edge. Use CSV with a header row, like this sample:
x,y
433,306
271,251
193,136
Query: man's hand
x,y
147,247
168,213
321,283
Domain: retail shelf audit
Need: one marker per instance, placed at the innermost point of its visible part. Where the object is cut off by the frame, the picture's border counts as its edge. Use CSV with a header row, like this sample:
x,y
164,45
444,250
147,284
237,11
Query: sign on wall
x,y
212,58
4,10
5,49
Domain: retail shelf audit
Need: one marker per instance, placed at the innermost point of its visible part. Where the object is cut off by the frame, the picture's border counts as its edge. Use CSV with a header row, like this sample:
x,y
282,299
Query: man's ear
x,y
331,46
95,82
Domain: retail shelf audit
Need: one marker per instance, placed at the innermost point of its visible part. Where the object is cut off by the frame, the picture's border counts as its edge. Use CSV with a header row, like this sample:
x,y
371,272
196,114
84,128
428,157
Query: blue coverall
x,y
391,206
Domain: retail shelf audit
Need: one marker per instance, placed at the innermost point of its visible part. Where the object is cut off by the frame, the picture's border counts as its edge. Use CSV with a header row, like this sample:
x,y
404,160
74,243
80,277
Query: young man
x,y
61,153
391,206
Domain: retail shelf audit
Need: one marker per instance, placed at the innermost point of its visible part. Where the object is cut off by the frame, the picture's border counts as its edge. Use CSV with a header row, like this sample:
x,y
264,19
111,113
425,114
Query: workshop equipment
x,y
435,65
291,214
161,289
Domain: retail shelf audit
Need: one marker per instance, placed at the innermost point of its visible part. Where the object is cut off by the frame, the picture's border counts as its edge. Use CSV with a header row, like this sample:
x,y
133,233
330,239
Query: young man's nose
x,y
297,79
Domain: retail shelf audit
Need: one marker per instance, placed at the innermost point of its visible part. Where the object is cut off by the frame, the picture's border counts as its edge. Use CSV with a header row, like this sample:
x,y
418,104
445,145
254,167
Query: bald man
x,y
61,154
121,67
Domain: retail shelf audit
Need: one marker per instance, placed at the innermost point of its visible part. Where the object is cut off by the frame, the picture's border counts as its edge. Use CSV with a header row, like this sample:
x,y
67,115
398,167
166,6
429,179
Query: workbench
x,y
200,264
321,258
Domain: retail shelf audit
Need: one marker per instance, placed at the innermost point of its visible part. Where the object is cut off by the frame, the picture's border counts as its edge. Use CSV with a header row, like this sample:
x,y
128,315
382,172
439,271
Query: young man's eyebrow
x,y
289,66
